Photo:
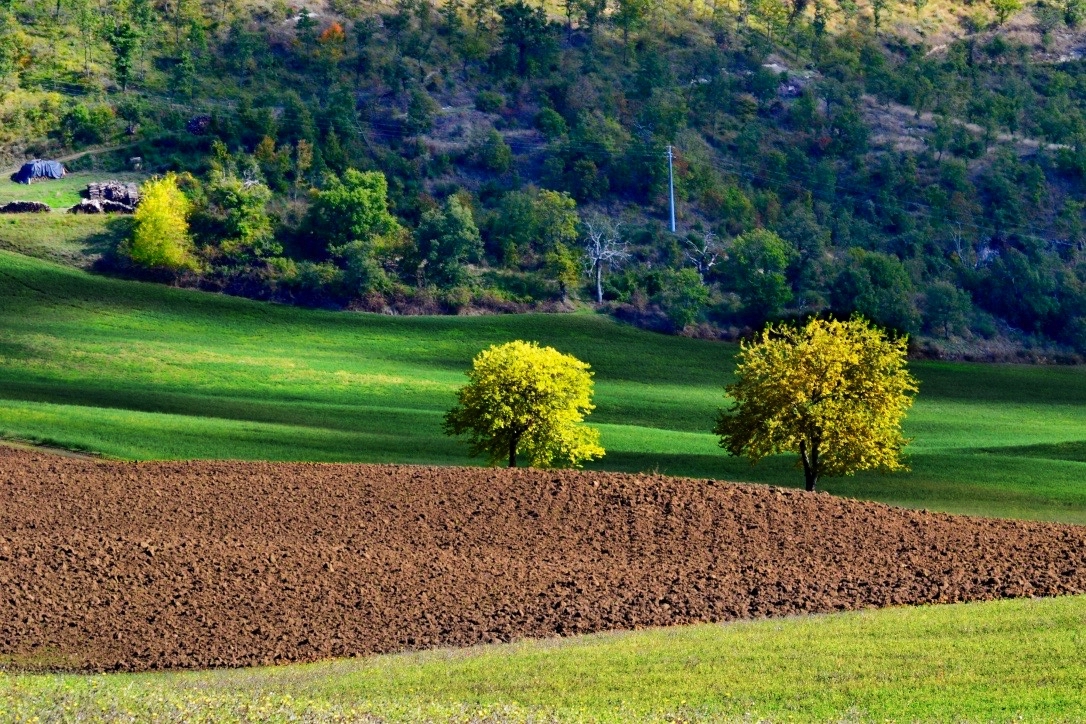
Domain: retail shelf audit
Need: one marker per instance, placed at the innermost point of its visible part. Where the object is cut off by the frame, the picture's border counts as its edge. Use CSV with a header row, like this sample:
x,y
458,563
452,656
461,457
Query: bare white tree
x,y
704,254
602,247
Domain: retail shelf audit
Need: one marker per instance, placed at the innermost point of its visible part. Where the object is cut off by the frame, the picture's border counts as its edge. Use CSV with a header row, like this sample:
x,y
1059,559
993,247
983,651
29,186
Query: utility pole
x,y
671,184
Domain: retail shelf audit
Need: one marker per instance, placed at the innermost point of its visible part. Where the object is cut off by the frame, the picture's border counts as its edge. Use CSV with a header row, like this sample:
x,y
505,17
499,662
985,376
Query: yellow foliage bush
x,y
160,233
529,400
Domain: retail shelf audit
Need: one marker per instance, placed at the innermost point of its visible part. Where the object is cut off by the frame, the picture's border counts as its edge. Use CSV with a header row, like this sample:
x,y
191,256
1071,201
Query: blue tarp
x,y
38,169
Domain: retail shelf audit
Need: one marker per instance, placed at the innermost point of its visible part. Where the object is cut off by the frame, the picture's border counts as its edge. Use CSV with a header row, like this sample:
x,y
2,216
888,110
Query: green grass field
x,y
74,240
1004,661
144,371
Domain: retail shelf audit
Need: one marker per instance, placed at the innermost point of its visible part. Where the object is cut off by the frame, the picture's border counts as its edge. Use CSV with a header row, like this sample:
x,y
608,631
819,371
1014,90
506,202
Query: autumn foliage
x,y
834,392
527,400
160,235
333,34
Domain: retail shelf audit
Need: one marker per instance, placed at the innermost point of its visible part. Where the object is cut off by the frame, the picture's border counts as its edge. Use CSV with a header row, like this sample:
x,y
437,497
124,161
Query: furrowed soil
x,y
138,566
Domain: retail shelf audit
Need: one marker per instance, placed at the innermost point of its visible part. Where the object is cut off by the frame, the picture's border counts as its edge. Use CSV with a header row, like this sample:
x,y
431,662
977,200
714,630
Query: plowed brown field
x,y
137,566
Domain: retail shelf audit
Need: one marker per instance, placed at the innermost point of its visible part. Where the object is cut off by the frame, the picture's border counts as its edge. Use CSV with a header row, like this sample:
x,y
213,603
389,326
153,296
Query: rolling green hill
x,y
143,371
999,661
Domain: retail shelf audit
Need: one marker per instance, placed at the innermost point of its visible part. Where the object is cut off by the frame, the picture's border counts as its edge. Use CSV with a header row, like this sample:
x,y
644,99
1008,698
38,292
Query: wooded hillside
x,y
921,164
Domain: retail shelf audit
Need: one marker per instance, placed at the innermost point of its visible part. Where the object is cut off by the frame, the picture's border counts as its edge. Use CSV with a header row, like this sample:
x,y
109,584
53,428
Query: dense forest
x,y
922,164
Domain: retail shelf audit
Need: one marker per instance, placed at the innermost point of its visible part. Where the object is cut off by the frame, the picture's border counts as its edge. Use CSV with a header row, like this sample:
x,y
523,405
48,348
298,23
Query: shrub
x,y
551,124
87,124
682,297
160,234
489,102
492,153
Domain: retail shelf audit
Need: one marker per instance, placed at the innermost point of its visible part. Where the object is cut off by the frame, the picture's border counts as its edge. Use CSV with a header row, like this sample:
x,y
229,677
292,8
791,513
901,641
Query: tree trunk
x,y
810,465
599,283
512,452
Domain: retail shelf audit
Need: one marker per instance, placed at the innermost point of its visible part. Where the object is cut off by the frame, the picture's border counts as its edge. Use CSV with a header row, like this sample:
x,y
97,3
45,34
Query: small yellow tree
x,y
529,400
160,235
834,392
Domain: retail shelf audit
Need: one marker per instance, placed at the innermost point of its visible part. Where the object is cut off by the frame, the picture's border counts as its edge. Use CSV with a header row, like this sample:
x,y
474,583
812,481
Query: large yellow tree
x,y
527,400
834,392
160,232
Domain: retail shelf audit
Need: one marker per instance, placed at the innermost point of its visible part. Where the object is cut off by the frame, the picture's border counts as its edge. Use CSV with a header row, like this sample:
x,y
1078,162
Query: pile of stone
x,y
121,193
101,206
24,207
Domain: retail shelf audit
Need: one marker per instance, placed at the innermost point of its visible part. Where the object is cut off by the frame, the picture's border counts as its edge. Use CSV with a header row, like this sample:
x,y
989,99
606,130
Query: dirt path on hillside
x,y
140,566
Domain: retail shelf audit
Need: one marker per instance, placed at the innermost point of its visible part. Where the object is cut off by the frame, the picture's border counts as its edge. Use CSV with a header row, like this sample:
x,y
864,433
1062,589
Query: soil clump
x,y
141,566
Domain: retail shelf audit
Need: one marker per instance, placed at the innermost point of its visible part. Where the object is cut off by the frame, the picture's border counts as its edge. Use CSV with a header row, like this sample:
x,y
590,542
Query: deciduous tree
x,y
603,248
1004,9
946,307
759,261
352,209
447,238
629,16
160,234
237,218
834,392
526,36
527,400
124,40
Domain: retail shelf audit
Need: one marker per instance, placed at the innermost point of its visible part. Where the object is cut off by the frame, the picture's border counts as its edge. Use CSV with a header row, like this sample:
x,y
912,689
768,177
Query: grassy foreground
x,y
1000,661
145,371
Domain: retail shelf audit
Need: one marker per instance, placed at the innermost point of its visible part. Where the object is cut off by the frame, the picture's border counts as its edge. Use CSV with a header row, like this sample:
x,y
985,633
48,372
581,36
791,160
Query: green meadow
x,y
65,238
143,371
1000,661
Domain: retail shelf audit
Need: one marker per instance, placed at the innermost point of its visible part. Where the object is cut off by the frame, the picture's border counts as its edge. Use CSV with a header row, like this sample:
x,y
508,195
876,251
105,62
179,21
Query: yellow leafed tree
x,y
160,235
834,392
527,400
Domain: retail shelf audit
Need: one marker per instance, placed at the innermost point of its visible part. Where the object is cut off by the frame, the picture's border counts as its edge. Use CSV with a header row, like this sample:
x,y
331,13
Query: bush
x,y
489,102
682,296
87,124
458,299
492,153
160,234
551,124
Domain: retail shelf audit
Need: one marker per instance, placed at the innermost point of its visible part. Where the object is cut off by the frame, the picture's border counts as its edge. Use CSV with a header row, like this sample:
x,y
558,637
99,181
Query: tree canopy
x,y
352,210
160,235
523,399
447,238
834,392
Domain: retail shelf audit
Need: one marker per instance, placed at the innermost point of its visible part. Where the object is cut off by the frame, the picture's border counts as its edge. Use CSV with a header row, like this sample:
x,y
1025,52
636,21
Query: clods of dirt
x,y
140,566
